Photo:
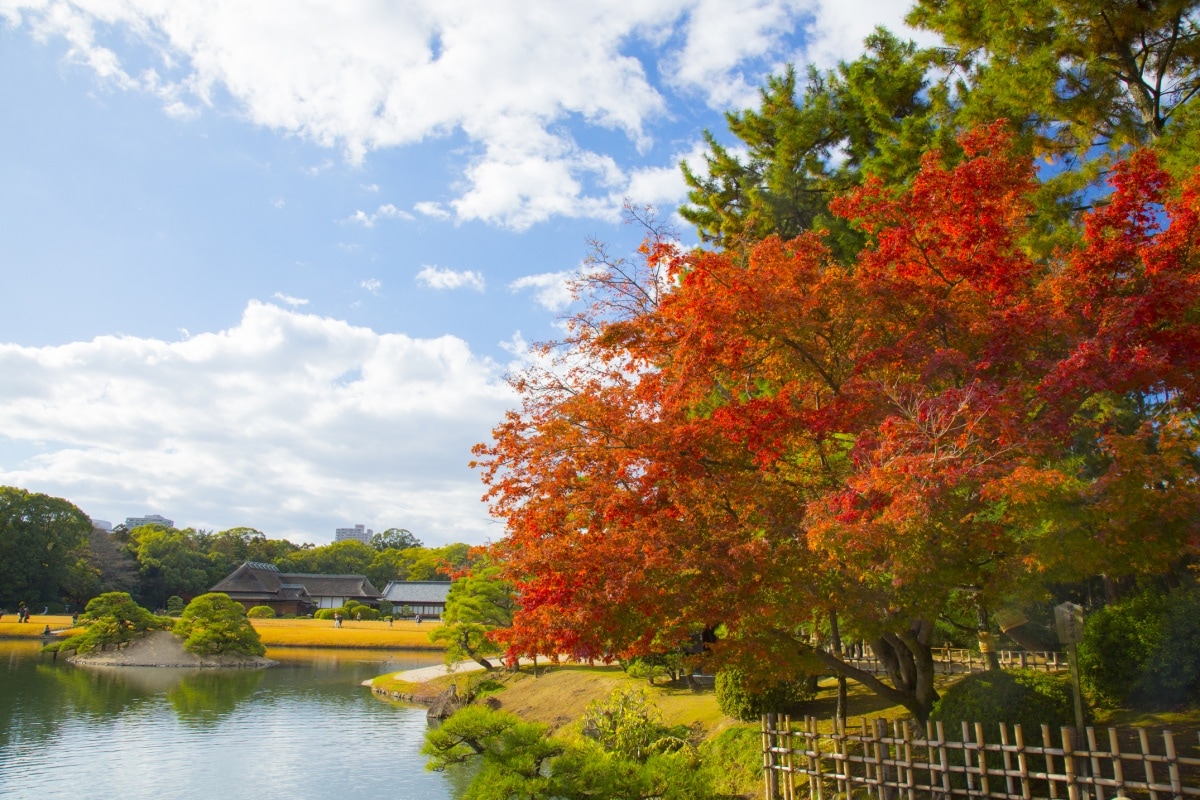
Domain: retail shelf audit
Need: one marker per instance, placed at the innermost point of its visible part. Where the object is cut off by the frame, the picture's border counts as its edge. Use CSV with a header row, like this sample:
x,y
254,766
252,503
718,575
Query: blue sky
x,y
267,264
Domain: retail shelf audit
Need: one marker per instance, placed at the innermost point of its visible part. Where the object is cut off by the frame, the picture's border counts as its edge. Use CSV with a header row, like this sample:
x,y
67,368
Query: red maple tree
x,y
769,441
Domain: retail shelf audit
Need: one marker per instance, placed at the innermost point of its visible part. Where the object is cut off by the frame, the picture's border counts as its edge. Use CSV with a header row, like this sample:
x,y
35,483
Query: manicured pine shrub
x,y
261,612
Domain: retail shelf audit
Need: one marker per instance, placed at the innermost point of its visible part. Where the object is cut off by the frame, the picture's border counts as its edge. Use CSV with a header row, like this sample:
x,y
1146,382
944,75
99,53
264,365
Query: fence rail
x,y
901,761
959,661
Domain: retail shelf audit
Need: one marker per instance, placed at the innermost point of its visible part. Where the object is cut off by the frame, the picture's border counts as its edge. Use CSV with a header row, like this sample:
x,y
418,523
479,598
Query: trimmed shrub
x,y
366,612
1022,697
261,612
175,605
213,624
327,613
112,618
740,699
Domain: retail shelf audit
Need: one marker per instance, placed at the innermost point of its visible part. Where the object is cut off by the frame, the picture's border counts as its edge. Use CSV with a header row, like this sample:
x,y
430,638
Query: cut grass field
x,y
11,629
401,635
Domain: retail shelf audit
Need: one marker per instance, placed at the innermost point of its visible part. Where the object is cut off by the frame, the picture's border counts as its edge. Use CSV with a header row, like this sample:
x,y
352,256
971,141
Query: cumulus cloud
x,y
372,285
293,423
552,290
518,78
439,278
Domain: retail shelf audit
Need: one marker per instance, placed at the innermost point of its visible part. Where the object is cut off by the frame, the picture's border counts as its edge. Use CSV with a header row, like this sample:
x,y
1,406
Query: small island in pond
x,y
212,632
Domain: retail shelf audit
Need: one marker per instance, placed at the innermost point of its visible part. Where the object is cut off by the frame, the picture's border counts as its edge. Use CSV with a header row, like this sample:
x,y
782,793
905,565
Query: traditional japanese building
x,y
427,598
258,584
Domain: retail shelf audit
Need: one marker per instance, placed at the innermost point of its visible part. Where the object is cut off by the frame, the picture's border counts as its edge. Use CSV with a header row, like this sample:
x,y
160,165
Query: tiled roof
x,y
253,580
416,591
333,585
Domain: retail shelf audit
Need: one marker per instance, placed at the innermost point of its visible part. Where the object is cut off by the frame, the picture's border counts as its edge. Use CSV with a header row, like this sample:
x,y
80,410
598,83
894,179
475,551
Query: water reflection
x,y
150,733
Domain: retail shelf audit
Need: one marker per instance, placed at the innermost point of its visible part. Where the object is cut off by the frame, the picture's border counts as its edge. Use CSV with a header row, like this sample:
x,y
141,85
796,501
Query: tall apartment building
x,y
358,534
149,519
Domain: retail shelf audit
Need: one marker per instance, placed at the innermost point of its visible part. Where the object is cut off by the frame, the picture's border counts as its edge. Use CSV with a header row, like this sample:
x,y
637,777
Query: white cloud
x,y
289,300
520,79
553,290
385,211
293,423
439,278
372,285
278,202
431,209
369,187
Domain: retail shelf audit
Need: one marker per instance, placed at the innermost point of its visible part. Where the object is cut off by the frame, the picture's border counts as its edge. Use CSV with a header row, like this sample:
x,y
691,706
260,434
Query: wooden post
x,y
1097,789
1023,763
768,759
843,771
1006,757
789,783
1069,765
984,782
943,758
1114,747
815,789
1173,764
1144,741
1047,743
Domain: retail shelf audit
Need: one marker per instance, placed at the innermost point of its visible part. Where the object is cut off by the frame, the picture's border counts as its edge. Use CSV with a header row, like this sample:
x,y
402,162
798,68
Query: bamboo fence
x,y
901,761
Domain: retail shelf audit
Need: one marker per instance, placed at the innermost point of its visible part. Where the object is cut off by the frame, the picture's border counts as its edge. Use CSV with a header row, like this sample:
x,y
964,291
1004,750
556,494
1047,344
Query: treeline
x,y
51,555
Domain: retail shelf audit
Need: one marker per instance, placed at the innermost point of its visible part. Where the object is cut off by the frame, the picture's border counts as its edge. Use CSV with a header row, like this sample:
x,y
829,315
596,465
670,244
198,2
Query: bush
x,y
327,613
653,667
366,612
112,618
261,612
1144,650
213,624
739,698
175,605
1116,647
1022,697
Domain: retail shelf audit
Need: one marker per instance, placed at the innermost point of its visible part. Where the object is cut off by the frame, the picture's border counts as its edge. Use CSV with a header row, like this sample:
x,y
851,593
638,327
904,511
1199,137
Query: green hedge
x,y
740,699
261,612
1020,696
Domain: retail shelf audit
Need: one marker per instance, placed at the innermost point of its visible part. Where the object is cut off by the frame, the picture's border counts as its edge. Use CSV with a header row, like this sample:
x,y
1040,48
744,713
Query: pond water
x,y
305,729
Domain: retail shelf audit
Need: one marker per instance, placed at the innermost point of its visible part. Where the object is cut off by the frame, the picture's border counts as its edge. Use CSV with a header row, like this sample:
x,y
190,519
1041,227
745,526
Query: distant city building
x,y
101,524
358,534
149,519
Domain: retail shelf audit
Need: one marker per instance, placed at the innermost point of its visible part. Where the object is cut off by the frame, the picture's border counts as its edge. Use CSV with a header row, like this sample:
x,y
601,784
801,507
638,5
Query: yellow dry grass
x,y
559,697
11,629
403,635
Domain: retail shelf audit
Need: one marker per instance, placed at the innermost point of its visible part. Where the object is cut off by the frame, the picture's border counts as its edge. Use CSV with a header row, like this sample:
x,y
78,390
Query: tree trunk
x,y
908,659
987,643
836,637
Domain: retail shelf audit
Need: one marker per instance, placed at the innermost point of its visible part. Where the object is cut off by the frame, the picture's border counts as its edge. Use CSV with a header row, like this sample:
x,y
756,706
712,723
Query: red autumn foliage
x,y
757,440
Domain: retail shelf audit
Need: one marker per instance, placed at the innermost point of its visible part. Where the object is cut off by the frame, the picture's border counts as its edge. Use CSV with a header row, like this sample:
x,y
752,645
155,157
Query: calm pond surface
x,y
305,729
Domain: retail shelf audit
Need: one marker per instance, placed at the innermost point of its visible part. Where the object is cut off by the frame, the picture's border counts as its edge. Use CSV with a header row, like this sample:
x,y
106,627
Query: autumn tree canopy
x,y
765,441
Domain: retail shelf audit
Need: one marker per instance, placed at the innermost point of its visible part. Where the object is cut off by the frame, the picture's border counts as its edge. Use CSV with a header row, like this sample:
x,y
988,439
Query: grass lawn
x,y
402,635
11,629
